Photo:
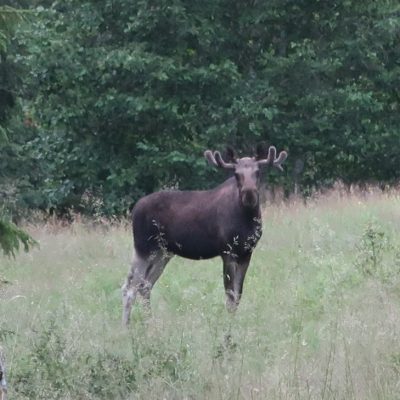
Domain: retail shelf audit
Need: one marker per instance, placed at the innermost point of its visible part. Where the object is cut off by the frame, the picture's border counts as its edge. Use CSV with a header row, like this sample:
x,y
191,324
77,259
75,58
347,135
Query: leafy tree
x,y
10,235
125,96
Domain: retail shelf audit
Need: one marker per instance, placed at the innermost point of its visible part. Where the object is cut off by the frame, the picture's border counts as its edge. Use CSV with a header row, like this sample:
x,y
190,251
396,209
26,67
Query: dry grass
x,y
319,318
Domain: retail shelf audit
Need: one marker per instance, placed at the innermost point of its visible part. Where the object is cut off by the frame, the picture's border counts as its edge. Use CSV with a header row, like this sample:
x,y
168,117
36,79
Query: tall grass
x,y
319,318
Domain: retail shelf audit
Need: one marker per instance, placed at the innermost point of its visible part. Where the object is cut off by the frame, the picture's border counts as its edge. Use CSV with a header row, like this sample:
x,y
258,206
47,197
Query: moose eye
x,y
239,177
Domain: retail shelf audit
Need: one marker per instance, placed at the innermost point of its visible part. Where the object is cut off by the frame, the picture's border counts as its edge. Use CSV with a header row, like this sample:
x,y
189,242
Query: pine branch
x,y
11,238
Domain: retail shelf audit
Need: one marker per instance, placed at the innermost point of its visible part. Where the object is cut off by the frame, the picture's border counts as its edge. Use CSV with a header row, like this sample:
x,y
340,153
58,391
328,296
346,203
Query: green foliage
x,y
9,18
376,255
373,244
122,97
51,367
3,135
11,237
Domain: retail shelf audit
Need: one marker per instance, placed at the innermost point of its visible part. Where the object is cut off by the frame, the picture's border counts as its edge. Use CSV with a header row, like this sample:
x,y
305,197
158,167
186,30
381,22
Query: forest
x,y
104,101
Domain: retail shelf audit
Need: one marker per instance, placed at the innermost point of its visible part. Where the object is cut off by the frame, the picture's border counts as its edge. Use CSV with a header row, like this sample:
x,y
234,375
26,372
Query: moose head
x,y
247,170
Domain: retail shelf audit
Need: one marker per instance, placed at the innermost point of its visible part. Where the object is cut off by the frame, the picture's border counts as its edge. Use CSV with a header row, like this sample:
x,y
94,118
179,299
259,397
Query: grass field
x,y
319,318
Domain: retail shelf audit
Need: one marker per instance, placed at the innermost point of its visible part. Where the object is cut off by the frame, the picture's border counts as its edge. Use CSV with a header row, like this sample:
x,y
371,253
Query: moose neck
x,y
253,213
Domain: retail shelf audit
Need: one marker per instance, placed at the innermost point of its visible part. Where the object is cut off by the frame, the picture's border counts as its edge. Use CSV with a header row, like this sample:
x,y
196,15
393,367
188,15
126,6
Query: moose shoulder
x,y
224,221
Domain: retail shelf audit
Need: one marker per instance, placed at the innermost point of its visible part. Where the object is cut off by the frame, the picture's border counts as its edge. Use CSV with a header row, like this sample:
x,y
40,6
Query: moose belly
x,y
194,247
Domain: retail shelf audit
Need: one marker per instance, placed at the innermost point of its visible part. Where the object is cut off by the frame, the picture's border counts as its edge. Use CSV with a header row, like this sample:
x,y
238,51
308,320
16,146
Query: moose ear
x,y
230,155
261,151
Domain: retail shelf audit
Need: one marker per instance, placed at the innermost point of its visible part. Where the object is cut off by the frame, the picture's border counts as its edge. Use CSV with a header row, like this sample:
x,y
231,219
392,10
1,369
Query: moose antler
x,y
210,158
220,161
216,160
272,160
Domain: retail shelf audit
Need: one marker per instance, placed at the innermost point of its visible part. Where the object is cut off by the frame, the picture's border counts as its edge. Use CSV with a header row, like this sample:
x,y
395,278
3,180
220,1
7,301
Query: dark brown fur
x,y
192,224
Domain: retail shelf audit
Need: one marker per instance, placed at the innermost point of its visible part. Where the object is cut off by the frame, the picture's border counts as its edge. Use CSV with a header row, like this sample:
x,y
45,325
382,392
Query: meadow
x,y
319,317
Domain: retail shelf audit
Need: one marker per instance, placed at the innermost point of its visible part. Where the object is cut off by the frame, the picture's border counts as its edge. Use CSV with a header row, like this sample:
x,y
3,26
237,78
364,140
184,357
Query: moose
x,y
224,221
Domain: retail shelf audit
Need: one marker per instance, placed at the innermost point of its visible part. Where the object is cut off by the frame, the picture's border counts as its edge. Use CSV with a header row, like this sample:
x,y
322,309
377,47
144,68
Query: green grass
x,y
319,318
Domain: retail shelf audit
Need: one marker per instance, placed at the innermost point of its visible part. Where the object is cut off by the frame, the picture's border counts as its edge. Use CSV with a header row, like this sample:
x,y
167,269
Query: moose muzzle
x,y
249,198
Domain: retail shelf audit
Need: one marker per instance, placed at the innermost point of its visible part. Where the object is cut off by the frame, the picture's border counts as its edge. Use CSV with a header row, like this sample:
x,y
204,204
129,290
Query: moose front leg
x,y
235,269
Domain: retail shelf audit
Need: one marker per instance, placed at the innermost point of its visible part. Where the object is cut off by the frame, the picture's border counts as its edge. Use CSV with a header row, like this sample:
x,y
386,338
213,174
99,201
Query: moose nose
x,y
249,198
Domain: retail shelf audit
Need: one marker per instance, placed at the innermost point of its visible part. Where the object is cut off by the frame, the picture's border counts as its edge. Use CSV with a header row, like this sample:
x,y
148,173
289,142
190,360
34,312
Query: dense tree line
x,y
113,99
11,237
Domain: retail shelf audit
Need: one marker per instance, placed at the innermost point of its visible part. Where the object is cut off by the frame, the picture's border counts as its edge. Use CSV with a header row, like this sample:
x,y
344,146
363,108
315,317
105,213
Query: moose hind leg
x,y
234,273
153,272
130,289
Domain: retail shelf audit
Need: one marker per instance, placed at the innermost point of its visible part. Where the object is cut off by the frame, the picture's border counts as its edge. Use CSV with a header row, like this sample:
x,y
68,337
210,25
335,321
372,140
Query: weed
x,y
374,242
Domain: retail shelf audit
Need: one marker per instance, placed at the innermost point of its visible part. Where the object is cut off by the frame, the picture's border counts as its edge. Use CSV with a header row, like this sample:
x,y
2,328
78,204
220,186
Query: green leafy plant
x,y
374,242
11,238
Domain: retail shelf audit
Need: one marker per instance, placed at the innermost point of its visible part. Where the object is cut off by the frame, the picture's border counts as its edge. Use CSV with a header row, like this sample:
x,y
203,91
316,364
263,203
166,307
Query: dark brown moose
x,y
224,221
